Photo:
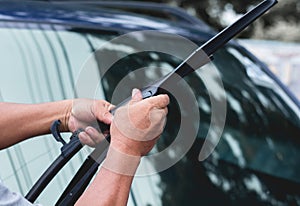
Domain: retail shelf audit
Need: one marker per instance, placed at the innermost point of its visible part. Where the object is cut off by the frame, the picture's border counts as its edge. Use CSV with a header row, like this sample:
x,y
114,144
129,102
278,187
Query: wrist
x,y
66,114
128,147
121,163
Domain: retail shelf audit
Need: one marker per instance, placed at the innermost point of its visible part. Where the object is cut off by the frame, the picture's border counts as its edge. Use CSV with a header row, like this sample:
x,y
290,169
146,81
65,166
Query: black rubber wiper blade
x,y
198,58
219,40
204,53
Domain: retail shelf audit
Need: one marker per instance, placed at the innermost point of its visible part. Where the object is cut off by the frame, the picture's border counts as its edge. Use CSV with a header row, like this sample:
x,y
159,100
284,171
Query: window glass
x,y
42,64
261,118
262,126
261,131
39,64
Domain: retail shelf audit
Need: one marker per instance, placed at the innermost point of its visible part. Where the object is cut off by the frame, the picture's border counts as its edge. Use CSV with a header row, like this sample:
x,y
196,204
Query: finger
x,y
85,139
159,101
94,135
111,107
107,117
136,95
102,108
108,106
165,110
157,116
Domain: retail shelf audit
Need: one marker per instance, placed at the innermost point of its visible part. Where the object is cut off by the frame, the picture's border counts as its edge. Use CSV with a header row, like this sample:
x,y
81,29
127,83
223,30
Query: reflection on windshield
x,y
260,138
265,116
260,134
39,65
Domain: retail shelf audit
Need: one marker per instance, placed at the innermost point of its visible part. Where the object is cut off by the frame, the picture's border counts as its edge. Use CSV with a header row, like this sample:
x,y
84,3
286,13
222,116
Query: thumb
x,y
136,95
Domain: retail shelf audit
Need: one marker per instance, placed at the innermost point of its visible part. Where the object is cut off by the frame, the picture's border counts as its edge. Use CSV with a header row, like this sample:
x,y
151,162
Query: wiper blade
x,y
198,58
203,54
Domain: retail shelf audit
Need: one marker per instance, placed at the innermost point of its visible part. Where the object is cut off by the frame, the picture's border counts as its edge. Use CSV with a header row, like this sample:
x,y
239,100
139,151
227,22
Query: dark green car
x,y
46,48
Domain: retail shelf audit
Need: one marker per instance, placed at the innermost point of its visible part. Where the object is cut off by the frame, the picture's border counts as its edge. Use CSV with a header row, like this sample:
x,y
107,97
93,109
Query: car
x,y
57,50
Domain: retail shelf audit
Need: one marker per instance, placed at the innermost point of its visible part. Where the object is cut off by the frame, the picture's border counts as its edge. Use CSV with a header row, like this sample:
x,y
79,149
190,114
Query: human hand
x,y
137,125
84,115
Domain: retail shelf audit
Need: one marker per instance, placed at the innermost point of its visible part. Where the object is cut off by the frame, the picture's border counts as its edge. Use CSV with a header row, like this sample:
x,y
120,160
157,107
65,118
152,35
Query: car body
x,y
45,48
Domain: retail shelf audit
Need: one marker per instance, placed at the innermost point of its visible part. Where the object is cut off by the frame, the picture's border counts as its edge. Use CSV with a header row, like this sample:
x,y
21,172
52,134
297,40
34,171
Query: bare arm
x,y
144,121
19,122
108,188
22,121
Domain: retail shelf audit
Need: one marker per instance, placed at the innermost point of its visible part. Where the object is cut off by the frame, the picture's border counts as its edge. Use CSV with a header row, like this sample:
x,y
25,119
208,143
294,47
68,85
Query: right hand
x,y
137,125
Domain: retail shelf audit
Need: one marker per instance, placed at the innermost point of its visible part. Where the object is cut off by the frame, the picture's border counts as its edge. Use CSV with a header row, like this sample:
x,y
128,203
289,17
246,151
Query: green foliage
x,y
284,17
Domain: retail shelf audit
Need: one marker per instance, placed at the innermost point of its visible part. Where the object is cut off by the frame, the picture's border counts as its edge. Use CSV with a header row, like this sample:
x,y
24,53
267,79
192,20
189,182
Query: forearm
x,y
113,182
107,189
22,121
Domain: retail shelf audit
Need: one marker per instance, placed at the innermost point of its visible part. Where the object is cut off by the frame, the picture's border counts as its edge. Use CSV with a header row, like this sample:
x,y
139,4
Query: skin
x,y
144,120
19,122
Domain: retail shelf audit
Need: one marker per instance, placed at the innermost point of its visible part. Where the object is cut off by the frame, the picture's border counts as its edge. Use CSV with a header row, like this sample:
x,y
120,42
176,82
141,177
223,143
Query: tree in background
x,y
281,23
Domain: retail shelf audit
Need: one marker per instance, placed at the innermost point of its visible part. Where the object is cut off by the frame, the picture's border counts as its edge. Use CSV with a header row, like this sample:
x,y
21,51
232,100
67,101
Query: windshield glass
x,y
261,134
261,130
40,63
262,124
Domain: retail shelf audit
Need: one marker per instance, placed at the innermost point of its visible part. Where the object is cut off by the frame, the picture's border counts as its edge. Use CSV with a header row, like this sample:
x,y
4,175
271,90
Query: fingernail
x,y
134,92
83,136
90,130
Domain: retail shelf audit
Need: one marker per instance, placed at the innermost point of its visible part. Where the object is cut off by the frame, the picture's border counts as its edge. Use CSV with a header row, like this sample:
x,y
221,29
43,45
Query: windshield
x,y
260,135
261,131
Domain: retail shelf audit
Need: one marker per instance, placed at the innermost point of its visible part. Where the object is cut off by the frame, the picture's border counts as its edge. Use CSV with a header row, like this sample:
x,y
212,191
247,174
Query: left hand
x,y
84,115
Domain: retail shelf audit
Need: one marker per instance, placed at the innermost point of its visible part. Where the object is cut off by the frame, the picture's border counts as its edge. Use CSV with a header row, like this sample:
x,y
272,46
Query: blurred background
x,y
273,38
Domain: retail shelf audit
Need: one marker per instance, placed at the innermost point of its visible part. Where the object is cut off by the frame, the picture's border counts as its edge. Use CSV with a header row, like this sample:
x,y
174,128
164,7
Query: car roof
x,y
100,15
150,9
